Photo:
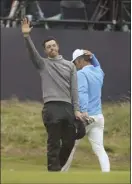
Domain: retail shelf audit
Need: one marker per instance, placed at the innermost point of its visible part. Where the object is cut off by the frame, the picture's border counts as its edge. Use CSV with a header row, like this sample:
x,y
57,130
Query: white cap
x,y
76,54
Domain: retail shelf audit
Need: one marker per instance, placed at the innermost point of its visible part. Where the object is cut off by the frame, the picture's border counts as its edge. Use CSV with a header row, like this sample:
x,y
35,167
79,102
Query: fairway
x,y
16,171
71,177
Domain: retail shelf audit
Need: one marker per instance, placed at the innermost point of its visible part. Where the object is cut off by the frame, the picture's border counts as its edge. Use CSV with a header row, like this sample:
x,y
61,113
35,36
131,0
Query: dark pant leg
x,y
58,118
68,134
68,141
53,127
53,146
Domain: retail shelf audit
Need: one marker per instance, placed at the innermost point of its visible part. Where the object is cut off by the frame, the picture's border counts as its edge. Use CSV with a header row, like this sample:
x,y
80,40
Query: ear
x,y
58,46
79,61
45,50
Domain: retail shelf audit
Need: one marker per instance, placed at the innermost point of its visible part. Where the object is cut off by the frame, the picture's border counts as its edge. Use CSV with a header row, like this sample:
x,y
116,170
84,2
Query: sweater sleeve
x,y
37,60
95,61
74,89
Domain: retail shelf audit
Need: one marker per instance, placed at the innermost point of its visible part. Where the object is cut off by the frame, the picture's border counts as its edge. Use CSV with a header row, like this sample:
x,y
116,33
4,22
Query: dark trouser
x,y
58,118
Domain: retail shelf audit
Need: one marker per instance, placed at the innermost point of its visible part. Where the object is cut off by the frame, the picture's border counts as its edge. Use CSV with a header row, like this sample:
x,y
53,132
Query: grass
x,y
23,146
60,178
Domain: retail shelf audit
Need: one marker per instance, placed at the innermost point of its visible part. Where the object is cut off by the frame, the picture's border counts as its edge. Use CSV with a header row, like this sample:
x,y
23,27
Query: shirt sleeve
x,y
83,91
37,60
74,89
95,61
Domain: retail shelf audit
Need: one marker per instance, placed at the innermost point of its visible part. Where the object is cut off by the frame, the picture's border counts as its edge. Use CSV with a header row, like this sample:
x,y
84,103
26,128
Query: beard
x,y
53,54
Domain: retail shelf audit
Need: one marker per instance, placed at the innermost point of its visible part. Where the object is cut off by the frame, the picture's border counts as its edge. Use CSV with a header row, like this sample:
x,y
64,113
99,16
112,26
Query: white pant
x,y
95,137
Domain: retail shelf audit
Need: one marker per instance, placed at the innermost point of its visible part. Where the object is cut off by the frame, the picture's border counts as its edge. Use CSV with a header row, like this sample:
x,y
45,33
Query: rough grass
x,y
23,135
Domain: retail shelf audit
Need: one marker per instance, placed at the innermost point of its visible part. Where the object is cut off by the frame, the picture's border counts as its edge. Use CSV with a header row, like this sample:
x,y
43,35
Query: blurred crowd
x,y
106,15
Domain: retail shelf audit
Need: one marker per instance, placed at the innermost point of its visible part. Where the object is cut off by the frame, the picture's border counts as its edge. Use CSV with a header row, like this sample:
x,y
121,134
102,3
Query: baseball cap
x,y
76,54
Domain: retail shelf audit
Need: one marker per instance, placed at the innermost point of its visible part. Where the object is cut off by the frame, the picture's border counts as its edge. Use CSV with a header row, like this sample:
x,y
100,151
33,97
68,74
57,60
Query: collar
x,y
56,58
87,66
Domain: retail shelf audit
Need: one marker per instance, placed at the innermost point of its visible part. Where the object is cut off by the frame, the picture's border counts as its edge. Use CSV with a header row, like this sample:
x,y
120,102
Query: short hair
x,y
49,39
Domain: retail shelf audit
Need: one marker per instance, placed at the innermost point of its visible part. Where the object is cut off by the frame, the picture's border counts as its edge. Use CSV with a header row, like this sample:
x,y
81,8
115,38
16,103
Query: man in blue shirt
x,y
90,82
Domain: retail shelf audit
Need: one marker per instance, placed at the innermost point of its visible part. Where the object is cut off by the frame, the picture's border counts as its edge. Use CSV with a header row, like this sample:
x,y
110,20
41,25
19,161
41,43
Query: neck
x,y
56,57
86,63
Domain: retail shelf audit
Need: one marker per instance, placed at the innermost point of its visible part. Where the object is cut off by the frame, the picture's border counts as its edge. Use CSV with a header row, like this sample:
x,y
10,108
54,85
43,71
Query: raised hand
x,y
87,52
25,26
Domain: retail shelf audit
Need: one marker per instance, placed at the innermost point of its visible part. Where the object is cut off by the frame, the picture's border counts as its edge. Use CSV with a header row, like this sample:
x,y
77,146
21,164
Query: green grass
x,y
23,146
60,178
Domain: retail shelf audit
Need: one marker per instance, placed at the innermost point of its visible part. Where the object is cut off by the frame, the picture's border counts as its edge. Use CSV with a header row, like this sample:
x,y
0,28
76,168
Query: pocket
x,y
69,112
47,115
100,121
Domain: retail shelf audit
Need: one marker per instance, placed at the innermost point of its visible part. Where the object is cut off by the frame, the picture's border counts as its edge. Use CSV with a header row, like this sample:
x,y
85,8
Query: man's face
x,y
52,48
79,64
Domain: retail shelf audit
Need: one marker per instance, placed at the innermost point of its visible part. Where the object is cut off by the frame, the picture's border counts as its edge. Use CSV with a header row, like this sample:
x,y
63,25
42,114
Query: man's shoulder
x,y
68,63
92,69
99,69
81,72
